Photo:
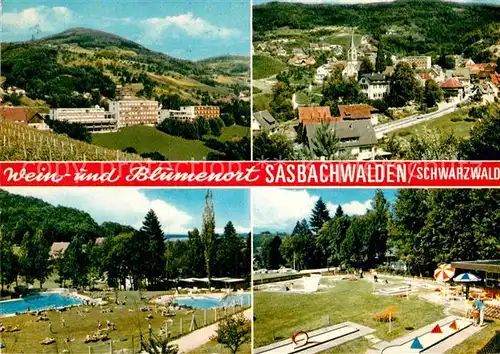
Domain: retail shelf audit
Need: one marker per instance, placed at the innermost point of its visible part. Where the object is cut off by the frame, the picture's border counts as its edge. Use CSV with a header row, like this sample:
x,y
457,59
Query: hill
x,y
21,143
58,223
88,61
402,27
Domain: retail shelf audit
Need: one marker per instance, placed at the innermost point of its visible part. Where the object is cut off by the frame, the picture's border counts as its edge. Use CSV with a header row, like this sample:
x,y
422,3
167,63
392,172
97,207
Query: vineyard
x,y
21,143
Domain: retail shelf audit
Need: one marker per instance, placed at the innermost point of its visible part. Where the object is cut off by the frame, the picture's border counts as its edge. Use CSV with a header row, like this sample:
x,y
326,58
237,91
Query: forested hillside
x,y
402,27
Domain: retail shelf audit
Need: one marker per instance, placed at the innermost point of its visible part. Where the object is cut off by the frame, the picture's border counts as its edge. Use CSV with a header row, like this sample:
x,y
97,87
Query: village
x,y
364,83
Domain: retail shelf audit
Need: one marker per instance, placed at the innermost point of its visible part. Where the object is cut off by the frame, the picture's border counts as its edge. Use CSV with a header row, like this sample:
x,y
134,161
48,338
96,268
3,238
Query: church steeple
x,y
352,53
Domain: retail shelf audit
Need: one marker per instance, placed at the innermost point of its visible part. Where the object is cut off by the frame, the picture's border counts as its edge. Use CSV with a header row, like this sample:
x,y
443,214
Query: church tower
x,y
352,53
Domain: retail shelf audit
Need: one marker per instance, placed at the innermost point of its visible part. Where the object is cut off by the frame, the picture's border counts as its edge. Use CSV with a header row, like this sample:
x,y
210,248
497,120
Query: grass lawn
x,y
261,102
214,347
129,323
234,131
478,340
343,39
150,139
265,66
443,125
308,99
278,315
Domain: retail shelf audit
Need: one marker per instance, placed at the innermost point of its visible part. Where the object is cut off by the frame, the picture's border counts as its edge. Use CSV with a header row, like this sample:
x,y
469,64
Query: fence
x,y
175,327
492,347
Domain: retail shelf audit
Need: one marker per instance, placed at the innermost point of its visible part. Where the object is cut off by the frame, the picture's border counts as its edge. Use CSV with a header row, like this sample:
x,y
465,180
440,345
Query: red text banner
x,y
253,174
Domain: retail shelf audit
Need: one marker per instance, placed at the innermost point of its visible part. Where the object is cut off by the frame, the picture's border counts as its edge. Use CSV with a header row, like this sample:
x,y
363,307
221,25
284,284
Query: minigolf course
x,y
317,341
426,340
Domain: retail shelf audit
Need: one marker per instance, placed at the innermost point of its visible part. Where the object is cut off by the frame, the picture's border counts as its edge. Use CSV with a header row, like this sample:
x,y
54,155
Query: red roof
x,y
15,114
452,84
495,78
356,111
314,114
482,66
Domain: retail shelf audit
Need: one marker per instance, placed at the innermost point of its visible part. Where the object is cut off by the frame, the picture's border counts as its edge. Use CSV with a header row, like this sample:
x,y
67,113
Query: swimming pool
x,y
37,302
207,302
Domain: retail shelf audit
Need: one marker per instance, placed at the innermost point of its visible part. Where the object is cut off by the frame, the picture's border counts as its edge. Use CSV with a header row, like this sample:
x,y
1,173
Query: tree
x,y
281,106
34,258
130,150
230,252
74,263
272,147
320,215
331,236
325,143
484,141
203,126
270,252
404,85
208,232
9,261
301,228
433,93
158,345
233,332
339,212
366,66
155,247
378,219
216,126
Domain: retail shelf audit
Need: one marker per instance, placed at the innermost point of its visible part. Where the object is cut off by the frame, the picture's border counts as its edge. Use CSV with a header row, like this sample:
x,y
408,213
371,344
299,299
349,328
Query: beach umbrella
x,y
467,278
444,272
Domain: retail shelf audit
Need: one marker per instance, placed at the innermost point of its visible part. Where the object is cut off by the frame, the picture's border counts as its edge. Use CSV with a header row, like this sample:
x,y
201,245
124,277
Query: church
x,y
352,65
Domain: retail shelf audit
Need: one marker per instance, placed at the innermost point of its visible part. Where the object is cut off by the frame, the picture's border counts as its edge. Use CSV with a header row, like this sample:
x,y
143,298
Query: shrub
x,y
456,119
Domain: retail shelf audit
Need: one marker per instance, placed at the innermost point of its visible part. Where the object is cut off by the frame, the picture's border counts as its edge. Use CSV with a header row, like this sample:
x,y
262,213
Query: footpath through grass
x,y
278,315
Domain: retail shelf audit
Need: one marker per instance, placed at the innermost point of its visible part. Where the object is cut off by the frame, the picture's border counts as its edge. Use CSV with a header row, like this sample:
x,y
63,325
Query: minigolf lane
x,y
429,339
315,338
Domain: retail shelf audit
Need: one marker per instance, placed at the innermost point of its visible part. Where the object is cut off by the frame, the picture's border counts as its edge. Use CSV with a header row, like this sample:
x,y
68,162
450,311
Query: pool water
x,y
206,302
36,303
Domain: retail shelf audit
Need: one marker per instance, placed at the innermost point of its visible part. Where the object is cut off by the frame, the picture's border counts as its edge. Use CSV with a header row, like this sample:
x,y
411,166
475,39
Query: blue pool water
x,y
206,302
37,302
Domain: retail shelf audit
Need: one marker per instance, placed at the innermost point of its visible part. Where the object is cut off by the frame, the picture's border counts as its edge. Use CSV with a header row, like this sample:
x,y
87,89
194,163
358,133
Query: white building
x,y
419,62
174,114
375,86
322,73
135,112
95,119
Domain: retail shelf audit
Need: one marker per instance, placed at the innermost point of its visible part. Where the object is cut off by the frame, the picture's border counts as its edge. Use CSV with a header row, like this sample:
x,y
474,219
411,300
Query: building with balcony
x,y
135,112
96,119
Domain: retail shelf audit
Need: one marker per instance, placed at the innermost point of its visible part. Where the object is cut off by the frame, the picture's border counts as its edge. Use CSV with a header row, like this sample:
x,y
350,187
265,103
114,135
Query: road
x,y
444,108
201,336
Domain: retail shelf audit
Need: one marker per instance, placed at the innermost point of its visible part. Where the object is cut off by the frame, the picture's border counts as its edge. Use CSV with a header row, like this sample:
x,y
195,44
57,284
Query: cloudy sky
x,y
179,210
365,1
186,29
277,209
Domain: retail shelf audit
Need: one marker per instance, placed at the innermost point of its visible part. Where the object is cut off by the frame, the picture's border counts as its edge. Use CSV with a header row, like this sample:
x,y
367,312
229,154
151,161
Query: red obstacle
x,y
454,325
437,329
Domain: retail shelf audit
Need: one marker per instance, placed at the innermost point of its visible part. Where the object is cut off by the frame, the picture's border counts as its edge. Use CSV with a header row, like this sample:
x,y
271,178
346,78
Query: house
x,y
58,248
437,74
24,116
355,136
322,73
482,71
99,241
495,79
302,61
419,62
375,86
357,112
453,89
263,121
309,115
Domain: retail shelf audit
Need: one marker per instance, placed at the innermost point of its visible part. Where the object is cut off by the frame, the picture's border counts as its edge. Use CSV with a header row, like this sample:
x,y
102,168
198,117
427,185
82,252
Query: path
x,y
445,108
201,336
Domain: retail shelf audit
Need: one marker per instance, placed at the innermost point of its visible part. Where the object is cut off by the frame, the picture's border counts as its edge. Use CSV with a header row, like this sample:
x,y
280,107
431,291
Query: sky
x,y
192,30
256,2
179,210
279,209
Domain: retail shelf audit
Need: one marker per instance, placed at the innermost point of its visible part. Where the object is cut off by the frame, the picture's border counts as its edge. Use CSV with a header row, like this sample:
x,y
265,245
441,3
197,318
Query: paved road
x,y
445,108
201,336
